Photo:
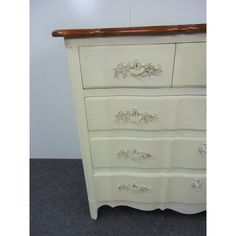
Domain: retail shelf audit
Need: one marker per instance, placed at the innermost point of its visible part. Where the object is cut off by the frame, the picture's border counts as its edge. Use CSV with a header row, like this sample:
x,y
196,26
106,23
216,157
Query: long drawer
x,y
146,113
146,187
127,65
148,152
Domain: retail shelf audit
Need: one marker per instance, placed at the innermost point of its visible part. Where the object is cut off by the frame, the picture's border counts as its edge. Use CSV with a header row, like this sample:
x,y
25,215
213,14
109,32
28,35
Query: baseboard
x,y
53,157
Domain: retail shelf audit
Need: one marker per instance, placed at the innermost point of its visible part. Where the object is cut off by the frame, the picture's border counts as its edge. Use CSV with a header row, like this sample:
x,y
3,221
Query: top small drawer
x,y
127,65
190,65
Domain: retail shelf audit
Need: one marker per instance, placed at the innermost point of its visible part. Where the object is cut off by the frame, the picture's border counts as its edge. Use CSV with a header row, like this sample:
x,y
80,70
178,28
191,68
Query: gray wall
x,y
53,126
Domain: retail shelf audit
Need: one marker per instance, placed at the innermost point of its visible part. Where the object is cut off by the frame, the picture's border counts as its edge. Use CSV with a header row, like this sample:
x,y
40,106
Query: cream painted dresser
x,y
140,101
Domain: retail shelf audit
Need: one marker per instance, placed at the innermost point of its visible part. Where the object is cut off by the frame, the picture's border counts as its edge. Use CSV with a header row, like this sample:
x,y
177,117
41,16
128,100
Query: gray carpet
x,y
59,207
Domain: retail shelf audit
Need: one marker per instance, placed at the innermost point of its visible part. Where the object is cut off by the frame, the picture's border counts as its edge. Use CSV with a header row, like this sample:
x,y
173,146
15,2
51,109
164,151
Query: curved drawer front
x,y
149,152
127,66
190,65
146,113
181,188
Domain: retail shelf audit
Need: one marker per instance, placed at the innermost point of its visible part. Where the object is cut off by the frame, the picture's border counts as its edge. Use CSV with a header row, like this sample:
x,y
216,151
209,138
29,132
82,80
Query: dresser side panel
x,y
77,87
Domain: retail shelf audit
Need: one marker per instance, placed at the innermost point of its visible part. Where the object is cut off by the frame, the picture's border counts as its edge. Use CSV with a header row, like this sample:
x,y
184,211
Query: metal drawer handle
x,y
202,150
196,184
133,188
134,155
135,117
136,69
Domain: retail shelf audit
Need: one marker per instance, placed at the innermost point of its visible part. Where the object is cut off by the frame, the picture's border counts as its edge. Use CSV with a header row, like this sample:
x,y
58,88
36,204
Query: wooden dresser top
x,y
129,31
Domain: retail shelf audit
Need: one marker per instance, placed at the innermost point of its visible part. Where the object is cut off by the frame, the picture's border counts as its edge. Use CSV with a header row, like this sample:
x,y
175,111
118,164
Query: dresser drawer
x,y
190,65
127,65
146,113
148,152
146,187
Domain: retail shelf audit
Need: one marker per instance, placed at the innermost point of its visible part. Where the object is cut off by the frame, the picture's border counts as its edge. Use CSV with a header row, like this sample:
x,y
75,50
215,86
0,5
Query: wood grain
x,y
129,31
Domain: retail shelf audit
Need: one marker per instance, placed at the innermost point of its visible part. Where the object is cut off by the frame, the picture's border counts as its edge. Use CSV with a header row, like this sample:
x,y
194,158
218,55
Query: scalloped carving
x,y
179,207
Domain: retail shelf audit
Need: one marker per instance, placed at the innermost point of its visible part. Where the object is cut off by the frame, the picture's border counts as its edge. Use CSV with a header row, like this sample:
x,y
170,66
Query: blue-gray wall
x,y
53,125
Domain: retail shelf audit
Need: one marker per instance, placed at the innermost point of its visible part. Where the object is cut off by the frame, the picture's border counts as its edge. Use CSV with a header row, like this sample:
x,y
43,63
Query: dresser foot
x,y
94,213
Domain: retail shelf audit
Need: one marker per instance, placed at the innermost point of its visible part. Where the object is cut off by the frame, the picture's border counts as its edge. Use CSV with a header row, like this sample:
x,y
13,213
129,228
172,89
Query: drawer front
x,y
149,152
190,65
146,113
180,188
127,66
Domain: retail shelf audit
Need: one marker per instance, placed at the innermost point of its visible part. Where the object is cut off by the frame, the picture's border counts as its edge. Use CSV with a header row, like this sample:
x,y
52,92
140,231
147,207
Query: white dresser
x,y
140,101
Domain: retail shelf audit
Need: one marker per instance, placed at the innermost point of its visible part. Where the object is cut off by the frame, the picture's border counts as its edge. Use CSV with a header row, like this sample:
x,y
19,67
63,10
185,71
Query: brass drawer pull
x,y
136,69
133,188
202,150
196,184
135,117
134,155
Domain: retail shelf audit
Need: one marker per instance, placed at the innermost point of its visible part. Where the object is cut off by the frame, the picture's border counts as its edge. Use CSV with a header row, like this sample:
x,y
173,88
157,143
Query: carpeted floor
x,y
59,207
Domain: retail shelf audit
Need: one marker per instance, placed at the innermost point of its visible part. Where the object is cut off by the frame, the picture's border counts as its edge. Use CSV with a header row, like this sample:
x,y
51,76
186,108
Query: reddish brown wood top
x,y
129,31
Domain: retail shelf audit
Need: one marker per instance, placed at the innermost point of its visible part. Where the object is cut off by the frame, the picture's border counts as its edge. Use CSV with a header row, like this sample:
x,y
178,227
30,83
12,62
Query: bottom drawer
x,y
150,188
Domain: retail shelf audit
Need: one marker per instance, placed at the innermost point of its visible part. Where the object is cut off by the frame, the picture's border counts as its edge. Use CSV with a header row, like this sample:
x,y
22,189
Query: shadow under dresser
x,y
140,101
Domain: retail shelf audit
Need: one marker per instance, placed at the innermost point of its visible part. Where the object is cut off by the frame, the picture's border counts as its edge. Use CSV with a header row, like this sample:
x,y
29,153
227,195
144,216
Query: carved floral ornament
x,y
136,69
135,117
196,184
203,150
134,155
133,188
